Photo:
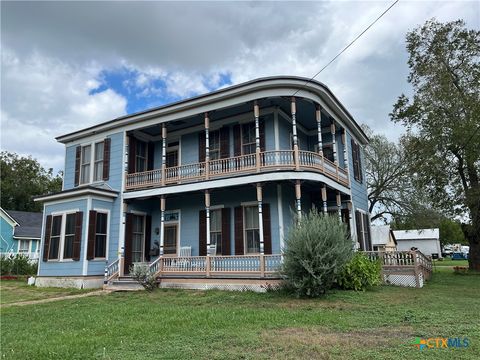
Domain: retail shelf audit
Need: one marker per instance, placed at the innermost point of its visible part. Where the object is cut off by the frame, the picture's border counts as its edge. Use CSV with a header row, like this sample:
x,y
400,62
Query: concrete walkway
x,y
47,300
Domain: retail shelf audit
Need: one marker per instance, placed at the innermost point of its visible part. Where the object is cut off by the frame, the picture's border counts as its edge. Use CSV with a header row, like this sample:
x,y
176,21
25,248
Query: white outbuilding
x,y
425,240
383,238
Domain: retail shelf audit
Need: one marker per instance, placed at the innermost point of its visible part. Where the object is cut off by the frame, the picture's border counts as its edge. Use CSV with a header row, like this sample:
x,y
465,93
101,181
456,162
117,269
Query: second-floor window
x,y
98,162
214,139
85,164
141,156
248,138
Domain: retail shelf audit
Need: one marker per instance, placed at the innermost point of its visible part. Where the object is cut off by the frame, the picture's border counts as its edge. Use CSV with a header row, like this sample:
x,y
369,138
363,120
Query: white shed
x,y
383,238
425,240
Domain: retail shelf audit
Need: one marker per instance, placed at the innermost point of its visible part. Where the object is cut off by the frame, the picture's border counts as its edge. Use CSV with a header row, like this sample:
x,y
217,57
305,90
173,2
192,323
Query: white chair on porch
x,y
185,251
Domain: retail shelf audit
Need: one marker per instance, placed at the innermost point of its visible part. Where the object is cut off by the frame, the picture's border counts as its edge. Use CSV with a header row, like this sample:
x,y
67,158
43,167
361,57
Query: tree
x,y
443,120
388,181
22,178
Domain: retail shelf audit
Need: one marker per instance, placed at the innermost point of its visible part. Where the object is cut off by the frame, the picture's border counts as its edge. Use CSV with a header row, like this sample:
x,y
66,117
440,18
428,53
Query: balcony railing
x,y
244,164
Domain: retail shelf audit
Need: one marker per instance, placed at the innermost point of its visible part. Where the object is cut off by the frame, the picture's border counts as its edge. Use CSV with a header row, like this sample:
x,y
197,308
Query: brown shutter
x,y
202,233
106,158
132,148
359,163
225,142
267,229
78,155
150,155
201,146
92,226
46,241
226,231
239,250
358,225
128,242
262,134
237,140
77,241
366,231
148,236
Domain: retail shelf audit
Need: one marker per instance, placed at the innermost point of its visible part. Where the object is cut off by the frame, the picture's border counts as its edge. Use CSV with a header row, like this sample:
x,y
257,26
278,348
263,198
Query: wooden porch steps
x,y
124,283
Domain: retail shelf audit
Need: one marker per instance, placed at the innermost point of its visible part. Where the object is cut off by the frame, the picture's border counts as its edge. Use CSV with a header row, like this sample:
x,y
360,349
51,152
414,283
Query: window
x,y
101,235
171,159
357,163
98,162
252,233
24,246
85,164
55,235
170,239
69,236
214,143
363,230
138,238
216,230
141,156
248,138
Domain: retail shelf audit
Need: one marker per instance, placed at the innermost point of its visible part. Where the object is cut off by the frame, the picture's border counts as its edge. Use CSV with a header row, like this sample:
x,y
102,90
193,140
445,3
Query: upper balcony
x,y
266,161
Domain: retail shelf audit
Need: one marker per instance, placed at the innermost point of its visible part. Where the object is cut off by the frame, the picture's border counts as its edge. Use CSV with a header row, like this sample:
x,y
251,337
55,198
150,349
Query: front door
x,y
170,239
134,240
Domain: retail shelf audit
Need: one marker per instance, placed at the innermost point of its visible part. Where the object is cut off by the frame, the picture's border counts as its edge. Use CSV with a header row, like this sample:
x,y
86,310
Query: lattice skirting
x,y
260,287
402,280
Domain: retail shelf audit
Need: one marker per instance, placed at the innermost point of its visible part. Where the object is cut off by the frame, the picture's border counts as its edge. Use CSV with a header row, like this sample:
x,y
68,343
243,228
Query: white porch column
x,y
339,206
350,217
294,133
260,217
164,151
334,143
207,146
256,114
207,220
298,198
162,224
318,117
324,199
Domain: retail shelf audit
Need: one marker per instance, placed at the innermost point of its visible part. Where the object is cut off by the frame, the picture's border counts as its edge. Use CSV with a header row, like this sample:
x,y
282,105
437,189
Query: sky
x,y
68,65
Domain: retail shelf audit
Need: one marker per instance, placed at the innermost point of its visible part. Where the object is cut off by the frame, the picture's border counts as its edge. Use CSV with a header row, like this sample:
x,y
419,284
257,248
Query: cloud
x,y
66,65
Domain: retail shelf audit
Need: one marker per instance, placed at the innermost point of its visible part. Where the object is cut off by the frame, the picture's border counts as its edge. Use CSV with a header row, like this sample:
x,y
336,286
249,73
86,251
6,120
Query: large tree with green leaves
x,y
443,120
22,178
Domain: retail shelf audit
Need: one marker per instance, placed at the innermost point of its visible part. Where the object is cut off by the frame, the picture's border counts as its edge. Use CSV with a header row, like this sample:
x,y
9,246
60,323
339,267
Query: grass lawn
x,y
180,324
12,291
450,262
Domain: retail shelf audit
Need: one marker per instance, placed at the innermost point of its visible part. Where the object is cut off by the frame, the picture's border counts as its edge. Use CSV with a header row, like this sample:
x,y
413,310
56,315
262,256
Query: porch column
x,y
350,216
260,217
334,143
318,117
164,151
122,240
345,150
162,223
324,198
339,206
207,220
298,197
296,156
207,147
256,113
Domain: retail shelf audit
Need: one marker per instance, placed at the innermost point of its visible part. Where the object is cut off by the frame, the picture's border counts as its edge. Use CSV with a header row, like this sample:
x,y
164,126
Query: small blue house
x,y
204,190
20,233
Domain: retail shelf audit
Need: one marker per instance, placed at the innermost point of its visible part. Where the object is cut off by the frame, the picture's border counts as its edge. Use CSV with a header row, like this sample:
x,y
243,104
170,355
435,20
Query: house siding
x,y
7,244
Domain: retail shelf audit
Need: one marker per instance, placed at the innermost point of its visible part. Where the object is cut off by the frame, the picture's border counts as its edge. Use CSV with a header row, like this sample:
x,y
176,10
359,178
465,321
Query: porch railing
x,y
112,271
251,265
269,161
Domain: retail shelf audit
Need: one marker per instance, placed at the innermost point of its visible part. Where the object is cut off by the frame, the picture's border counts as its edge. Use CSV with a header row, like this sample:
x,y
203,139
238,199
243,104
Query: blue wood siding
x,y
359,190
7,243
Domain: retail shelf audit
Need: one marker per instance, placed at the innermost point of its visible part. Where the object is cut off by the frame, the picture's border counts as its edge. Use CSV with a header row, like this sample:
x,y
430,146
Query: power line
x,y
346,47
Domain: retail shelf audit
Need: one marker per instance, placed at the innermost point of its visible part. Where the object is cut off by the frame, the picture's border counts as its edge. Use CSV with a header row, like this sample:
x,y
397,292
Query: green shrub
x,y
360,273
317,248
141,273
17,264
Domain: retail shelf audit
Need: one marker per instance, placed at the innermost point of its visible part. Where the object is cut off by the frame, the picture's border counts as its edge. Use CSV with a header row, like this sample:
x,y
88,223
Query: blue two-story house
x,y
204,190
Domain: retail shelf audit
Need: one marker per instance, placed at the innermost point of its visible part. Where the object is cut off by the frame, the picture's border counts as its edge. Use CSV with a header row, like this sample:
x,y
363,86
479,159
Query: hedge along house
x,y
204,190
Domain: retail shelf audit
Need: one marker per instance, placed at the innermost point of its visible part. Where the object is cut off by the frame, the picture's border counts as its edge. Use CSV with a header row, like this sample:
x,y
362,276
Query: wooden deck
x,y
267,161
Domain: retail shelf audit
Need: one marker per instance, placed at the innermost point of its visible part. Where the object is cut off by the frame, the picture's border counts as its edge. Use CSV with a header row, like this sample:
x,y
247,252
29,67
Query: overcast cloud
x,y
67,65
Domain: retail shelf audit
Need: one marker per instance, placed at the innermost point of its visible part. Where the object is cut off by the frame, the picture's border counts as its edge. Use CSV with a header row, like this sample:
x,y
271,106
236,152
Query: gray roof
x,y
29,223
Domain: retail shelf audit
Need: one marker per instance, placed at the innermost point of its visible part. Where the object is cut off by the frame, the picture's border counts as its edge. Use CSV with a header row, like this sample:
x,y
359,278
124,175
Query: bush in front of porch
x,y
317,249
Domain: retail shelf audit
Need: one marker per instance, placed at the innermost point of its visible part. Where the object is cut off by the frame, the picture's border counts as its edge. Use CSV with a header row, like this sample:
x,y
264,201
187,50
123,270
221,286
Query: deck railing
x,y
268,161
112,271
248,265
